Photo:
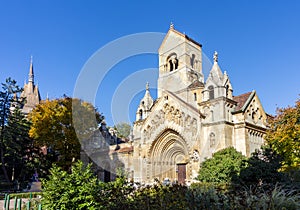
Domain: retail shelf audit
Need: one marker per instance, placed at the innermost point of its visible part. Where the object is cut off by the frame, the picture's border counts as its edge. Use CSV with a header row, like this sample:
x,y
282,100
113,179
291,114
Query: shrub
x,y
223,165
75,190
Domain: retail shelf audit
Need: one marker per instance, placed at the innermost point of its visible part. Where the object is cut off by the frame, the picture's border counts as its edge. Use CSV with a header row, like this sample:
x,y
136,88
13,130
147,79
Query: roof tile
x,y
241,100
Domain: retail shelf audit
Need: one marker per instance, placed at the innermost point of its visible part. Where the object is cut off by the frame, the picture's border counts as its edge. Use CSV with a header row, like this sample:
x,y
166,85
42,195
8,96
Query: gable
x,y
171,40
250,105
174,38
241,100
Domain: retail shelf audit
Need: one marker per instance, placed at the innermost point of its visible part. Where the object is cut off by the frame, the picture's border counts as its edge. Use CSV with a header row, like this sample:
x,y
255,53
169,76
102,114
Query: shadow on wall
x,y
101,149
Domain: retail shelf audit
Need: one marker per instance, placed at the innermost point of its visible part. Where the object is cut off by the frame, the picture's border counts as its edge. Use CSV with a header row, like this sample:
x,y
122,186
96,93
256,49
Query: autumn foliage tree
x,y
53,127
284,136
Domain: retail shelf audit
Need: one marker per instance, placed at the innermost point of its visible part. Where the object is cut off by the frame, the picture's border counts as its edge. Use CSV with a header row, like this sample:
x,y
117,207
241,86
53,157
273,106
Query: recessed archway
x,y
167,152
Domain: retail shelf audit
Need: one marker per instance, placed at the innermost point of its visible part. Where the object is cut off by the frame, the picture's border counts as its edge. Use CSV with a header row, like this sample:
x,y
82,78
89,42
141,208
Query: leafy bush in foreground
x,y
80,189
75,190
223,165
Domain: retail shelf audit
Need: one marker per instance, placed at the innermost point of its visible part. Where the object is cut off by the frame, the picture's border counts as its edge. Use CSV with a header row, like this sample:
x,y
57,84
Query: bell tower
x,y
180,62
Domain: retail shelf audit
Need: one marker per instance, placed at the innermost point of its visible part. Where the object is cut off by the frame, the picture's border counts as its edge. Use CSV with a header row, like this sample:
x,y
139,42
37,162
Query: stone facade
x,y
191,119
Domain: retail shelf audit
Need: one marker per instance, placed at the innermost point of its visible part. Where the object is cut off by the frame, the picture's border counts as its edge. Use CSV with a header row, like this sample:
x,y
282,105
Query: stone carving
x,y
192,76
170,114
196,156
194,127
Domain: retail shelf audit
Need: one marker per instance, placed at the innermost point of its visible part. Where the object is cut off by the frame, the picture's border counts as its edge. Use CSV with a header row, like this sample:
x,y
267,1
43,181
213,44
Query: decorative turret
x,y
216,74
145,105
217,83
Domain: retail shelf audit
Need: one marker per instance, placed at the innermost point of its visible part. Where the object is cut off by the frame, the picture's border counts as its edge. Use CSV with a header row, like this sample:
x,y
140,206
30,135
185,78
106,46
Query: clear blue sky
x,y
258,42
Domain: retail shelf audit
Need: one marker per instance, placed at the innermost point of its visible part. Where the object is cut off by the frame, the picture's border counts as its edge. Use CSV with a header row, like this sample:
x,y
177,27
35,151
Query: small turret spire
x,y
216,57
31,75
147,86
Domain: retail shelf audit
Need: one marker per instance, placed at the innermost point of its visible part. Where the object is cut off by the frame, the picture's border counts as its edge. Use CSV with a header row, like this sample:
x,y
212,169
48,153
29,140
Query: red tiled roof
x,y
125,150
241,100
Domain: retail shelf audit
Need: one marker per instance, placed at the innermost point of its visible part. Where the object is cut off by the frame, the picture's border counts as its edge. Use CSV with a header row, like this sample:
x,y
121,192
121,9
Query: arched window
x,y
141,114
211,92
227,90
212,139
193,60
195,96
172,62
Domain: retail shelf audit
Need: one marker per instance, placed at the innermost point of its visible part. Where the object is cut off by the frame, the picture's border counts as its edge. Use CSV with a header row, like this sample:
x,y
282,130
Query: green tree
x,y
16,149
75,190
123,129
284,136
21,157
261,168
223,165
53,126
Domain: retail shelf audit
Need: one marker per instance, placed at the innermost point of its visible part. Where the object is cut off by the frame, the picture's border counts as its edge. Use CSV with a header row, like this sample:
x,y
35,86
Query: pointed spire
x,y
147,100
216,74
31,75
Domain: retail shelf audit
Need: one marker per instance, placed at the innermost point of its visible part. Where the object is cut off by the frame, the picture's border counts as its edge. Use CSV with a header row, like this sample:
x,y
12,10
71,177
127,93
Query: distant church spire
x,y
31,75
30,92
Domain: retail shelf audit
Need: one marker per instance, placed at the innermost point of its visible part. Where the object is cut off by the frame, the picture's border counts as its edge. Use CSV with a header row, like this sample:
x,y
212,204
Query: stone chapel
x,y
192,118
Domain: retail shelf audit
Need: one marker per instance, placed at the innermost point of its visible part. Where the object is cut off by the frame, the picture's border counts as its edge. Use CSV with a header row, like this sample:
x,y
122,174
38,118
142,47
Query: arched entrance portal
x,y
168,157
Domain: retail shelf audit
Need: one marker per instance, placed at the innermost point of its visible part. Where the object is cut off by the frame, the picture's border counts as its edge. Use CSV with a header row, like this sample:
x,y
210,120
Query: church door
x,y
106,176
181,173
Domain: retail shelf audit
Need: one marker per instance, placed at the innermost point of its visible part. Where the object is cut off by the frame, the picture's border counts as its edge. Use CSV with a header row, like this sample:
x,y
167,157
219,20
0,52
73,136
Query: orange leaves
x,y
60,123
284,135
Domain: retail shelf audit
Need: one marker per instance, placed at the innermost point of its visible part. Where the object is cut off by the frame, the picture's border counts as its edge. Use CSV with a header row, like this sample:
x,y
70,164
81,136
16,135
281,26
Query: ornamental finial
x,y
171,25
147,86
216,57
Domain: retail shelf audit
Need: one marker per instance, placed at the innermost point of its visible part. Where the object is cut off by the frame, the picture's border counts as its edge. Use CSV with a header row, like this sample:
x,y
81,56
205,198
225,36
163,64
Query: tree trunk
x,y
3,165
1,140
